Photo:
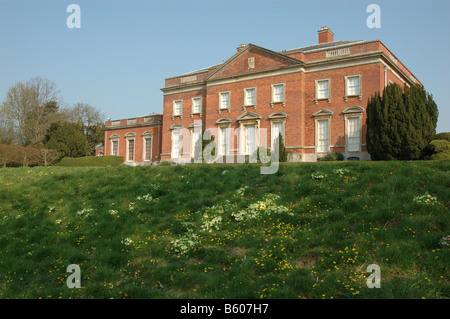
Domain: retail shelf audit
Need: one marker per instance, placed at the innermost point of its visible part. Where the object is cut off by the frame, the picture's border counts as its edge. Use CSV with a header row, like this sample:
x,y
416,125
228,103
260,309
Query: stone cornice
x,y
125,126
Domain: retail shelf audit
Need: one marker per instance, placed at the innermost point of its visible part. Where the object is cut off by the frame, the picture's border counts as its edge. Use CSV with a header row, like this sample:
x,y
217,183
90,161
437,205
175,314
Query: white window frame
x,y
220,138
246,141
347,137
317,122
318,98
272,131
173,108
193,133
229,100
283,85
176,132
144,148
112,146
245,95
193,105
131,138
347,77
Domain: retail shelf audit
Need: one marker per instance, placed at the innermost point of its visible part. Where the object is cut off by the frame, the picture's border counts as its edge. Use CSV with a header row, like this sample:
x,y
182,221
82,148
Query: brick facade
x,y
129,137
316,96
313,124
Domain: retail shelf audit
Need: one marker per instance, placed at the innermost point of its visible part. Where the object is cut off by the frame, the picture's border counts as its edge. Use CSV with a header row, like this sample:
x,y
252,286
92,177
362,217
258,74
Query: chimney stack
x,y
240,47
325,35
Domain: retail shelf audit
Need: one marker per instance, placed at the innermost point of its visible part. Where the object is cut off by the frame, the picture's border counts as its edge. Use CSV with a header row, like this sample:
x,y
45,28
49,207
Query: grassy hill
x,y
211,231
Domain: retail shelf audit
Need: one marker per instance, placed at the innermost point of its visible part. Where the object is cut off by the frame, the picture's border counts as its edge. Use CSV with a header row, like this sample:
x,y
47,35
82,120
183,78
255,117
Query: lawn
x,y
226,231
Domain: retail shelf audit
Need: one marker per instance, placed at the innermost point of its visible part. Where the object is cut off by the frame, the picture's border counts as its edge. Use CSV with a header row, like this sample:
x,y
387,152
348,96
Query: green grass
x,y
309,238
91,161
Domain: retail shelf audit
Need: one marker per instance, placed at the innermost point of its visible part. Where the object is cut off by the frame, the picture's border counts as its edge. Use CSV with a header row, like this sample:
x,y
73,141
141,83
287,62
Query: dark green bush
x,y
335,156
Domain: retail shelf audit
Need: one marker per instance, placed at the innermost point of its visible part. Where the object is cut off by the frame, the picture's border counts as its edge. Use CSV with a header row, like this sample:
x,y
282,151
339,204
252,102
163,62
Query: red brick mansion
x,y
314,96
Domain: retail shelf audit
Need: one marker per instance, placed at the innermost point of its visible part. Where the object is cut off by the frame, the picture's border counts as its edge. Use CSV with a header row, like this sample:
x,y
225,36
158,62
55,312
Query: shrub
x,y
15,155
283,153
335,156
401,122
440,149
165,163
88,161
265,158
442,136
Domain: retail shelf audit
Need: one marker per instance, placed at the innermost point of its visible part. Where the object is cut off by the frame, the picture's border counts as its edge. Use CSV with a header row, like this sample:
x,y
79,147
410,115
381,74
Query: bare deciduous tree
x,y
31,107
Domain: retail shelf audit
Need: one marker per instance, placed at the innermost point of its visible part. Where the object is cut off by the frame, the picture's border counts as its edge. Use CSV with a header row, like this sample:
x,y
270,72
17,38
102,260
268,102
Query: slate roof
x,y
306,49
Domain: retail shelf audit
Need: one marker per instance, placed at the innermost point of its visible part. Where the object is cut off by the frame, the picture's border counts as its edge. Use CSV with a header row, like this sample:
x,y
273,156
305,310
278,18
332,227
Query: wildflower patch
x,y
185,243
266,206
426,199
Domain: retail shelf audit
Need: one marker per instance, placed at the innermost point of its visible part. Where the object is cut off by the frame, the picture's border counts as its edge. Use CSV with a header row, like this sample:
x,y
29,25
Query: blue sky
x,y
118,60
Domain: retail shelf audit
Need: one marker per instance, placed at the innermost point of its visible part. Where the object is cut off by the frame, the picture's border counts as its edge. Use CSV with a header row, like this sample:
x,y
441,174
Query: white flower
x,y
147,198
84,211
445,241
266,206
426,199
240,192
185,243
340,171
211,224
127,241
113,212
318,175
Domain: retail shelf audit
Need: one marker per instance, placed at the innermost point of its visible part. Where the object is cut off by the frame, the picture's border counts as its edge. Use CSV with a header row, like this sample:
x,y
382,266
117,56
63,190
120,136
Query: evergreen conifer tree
x,y
400,123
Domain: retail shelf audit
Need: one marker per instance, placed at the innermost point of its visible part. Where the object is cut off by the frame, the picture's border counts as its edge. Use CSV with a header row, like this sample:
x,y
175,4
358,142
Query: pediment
x,y
114,136
223,120
353,109
277,115
323,112
130,134
176,127
196,124
248,115
147,133
252,59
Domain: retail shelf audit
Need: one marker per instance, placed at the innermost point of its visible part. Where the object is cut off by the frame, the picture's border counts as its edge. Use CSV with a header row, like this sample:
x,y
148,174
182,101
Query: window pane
x,y
322,132
322,90
278,93
197,105
177,108
196,144
277,129
115,148
353,85
148,149
250,139
223,141
130,150
225,100
176,144
250,97
353,134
